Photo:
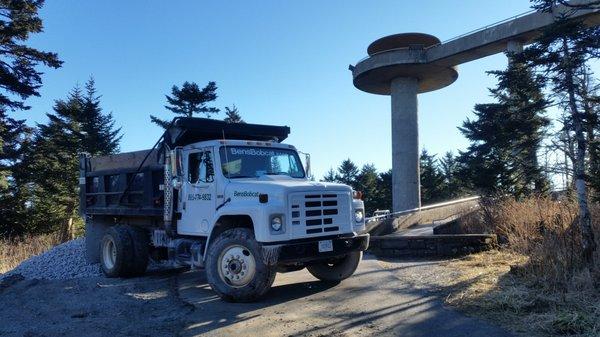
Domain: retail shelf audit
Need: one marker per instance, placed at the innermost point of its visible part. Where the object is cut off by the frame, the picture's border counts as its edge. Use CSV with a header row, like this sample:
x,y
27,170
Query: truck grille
x,y
317,214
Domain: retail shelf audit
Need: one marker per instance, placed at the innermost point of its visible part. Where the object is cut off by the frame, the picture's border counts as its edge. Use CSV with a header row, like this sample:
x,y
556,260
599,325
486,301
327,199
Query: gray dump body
x,y
116,185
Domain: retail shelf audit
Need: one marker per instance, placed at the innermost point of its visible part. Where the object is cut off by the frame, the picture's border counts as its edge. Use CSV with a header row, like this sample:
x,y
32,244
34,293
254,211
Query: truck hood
x,y
279,186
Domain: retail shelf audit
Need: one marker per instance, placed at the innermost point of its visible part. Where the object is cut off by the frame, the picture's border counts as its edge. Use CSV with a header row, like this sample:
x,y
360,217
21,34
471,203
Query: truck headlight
x,y
359,215
276,223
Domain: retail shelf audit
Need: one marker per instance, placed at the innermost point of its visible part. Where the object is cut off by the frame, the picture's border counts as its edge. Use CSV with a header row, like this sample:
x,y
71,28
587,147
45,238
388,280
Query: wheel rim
x,y
109,253
237,266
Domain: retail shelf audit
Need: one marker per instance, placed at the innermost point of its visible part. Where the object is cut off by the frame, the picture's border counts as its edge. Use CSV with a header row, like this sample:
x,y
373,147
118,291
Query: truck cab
x,y
243,207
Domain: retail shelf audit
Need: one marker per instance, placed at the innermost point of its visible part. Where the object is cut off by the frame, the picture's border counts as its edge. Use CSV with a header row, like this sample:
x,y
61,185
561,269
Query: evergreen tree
x,y
367,183
98,133
19,80
14,139
233,115
329,176
189,101
432,180
347,173
384,188
18,75
76,125
450,169
506,136
562,53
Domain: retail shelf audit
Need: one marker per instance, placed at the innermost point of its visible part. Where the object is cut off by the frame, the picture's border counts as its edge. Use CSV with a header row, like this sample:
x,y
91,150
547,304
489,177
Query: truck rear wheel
x,y
235,269
141,245
116,252
336,270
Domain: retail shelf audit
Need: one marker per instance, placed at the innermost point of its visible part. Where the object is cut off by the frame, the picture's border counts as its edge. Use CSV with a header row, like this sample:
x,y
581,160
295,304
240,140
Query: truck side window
x,y
200,167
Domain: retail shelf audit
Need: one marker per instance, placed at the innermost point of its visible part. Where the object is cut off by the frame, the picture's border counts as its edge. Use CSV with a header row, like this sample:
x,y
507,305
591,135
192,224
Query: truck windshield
x,y
252,162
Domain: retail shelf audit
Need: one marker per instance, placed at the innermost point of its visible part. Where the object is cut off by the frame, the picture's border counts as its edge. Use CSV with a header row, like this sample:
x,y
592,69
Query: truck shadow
x,y
372,302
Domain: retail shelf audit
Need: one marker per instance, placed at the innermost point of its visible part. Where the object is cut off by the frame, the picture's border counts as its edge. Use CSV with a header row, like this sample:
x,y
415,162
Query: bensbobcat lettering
x,y
246,194
252,152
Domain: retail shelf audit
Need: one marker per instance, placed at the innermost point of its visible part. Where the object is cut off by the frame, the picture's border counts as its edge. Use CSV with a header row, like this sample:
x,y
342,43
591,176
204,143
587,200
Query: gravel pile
x,y
65,261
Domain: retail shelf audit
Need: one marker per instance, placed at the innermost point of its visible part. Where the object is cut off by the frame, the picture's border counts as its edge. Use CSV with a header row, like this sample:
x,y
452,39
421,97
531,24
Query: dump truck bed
x,y
106,180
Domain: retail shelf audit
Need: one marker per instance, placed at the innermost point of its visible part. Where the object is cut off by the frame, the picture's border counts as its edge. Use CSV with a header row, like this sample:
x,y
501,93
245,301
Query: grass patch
x,y
492,285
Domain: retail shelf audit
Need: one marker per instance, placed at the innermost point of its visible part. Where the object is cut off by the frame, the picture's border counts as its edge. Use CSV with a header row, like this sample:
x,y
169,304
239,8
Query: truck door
x,y
198,201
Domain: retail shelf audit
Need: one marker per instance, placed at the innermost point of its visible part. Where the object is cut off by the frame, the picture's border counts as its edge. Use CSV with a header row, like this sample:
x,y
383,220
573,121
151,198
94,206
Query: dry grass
x,y
547,232
538,283
487,285
13,251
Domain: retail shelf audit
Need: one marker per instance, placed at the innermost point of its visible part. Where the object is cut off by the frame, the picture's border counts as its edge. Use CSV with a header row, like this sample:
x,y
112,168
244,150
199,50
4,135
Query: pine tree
x,y
98,133
233,115
432,180
14,139
18,75
562,53
19,80
189,101
453,186
347,173
329,176
366,182
77,125
384,188
506,136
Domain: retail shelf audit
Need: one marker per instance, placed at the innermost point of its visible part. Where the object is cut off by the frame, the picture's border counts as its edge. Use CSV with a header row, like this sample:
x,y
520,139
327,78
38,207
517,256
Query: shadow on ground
x,y
374,302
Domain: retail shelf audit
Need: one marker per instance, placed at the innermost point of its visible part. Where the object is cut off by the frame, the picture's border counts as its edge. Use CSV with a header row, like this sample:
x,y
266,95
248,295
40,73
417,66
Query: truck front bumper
x,y
308,250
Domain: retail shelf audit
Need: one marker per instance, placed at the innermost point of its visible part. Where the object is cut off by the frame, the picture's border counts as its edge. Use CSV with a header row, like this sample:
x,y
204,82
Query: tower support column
x,y
406,188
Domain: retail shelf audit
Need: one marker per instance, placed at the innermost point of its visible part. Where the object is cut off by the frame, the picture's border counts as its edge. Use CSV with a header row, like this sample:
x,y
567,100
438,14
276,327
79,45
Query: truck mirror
x,y
177,163
306,163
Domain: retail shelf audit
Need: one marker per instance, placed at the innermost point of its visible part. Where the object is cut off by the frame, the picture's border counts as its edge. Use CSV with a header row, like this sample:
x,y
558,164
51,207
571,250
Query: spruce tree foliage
x,y
367,181
506,136
233,115
432,180
19,77
19,80
189,100
77,125
440,181
347,173
384,187
98,133
453,185
329,176
14,140
562,53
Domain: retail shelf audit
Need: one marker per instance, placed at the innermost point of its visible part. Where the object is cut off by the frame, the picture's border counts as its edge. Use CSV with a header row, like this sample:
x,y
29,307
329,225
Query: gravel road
x,y
58,294
147,306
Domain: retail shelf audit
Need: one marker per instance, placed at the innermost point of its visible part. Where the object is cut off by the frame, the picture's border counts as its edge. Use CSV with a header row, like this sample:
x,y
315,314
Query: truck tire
x,y
141,251
235,269
336,270
116,252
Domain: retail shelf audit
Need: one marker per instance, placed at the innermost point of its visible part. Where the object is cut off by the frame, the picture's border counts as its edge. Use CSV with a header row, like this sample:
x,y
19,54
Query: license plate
x,y
325,246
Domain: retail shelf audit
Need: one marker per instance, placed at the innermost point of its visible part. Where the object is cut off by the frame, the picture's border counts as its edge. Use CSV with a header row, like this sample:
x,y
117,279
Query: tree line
x,y
440,181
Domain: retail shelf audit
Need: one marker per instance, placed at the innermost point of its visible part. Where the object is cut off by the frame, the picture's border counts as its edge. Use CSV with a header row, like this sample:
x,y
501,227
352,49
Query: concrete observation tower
x,y
403,74
404,65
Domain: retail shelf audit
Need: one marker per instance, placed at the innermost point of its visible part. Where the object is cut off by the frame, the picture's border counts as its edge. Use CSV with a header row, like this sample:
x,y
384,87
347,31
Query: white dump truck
x,y
229,198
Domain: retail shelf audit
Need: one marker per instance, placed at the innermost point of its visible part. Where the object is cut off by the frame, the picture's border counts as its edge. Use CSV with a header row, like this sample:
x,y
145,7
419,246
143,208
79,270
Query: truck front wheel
x,y
335,270
235,269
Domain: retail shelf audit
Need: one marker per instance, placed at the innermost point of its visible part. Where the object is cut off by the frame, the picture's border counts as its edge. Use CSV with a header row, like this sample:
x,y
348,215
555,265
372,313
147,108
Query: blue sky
x,y
279,62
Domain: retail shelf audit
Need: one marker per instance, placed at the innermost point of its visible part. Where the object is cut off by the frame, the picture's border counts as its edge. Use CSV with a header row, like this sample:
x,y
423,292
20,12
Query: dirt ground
x,y
147,306
379,300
